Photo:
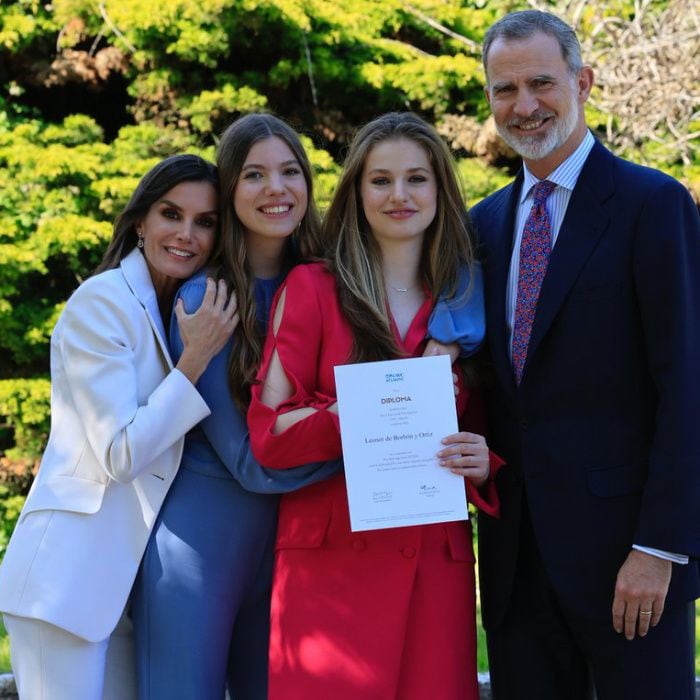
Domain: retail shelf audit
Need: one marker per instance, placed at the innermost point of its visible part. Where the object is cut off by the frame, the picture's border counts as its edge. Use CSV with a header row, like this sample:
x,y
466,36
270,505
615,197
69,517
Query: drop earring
x,y
139,243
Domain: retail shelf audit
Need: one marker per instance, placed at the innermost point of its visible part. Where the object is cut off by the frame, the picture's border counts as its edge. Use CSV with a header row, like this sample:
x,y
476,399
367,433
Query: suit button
x,y
408,552
359,545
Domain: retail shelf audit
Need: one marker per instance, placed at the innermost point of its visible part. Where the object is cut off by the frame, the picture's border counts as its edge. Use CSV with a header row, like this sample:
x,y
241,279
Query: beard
x,y
539,146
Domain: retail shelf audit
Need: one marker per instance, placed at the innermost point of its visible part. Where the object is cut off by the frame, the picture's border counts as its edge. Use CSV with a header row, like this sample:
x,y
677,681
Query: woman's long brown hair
x,y
230,259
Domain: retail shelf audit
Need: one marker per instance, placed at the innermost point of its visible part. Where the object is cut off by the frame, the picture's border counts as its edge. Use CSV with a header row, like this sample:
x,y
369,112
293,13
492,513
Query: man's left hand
x,y
640,593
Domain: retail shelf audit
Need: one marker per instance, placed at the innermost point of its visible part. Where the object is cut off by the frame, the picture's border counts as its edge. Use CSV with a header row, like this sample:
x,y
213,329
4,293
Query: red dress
x,y
374,615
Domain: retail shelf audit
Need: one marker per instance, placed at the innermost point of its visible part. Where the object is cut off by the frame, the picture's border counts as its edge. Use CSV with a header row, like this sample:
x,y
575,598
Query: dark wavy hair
x,y
161,178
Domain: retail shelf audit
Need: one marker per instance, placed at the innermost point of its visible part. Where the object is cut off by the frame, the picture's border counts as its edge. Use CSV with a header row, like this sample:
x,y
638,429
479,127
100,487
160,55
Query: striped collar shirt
x,y
564,177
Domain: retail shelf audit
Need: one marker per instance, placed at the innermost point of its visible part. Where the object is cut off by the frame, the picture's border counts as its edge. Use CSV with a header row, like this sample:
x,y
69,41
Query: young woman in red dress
x,y
387,613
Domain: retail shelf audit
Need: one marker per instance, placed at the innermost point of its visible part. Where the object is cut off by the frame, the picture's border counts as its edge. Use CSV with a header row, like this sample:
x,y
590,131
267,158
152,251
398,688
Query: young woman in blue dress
x,y
201,601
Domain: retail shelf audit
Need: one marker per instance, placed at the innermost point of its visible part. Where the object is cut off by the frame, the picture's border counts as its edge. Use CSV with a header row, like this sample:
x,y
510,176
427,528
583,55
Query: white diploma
x,y
393,416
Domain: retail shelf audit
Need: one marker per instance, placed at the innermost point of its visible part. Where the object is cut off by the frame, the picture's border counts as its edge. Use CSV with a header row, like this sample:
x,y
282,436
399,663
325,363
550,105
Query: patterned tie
x,y
535,247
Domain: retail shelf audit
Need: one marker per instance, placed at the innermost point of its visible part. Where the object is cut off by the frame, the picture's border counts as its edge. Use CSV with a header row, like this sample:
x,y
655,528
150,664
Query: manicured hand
x,y
467,455
205,332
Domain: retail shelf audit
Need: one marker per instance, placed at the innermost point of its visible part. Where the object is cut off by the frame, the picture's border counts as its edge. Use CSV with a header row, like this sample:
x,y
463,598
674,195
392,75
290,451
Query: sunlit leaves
x,y
24,404
211,105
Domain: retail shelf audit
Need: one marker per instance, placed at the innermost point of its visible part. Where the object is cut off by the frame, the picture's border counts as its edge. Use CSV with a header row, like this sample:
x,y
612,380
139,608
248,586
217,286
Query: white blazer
x,y
119,413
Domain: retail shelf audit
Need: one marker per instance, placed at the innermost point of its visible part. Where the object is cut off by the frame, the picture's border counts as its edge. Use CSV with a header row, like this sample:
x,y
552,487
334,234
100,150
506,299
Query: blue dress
x,y
200,604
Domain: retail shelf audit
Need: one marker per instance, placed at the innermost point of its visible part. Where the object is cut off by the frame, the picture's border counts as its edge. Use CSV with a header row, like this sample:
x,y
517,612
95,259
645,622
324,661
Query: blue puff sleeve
x,y
461,319
226,428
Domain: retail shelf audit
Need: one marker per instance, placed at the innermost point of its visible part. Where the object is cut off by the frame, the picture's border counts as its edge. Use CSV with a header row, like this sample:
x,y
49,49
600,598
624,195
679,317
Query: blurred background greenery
x,y
93,93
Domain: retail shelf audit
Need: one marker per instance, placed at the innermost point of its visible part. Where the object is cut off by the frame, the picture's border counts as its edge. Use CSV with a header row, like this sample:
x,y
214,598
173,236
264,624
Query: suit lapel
x,y
137,276
584,223
502,224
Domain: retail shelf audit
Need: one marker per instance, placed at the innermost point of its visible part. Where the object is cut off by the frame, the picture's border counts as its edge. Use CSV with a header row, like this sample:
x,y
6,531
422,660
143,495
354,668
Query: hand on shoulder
x,y
205,332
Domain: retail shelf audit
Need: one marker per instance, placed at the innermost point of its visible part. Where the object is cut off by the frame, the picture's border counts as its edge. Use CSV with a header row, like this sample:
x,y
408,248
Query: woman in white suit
x,y
119,413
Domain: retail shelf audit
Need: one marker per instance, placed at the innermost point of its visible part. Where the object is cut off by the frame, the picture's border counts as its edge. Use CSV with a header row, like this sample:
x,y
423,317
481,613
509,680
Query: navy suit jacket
x,y
603,435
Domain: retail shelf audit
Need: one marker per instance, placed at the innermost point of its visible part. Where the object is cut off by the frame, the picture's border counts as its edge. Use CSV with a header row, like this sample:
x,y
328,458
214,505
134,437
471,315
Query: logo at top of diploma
x,y
391,377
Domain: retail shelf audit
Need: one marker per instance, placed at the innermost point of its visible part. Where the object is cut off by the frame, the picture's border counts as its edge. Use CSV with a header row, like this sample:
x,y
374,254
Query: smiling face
x,y
178,234
537,102
399,190
271,195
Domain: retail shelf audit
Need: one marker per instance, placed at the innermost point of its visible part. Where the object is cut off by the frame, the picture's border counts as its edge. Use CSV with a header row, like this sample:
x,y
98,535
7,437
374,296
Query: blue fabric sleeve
x,y
226,428
461,319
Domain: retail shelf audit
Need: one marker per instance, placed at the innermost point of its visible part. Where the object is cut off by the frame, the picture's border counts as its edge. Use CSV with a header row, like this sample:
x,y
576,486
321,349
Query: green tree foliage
x,y
10,507
301,58
24,403
94,92
61,187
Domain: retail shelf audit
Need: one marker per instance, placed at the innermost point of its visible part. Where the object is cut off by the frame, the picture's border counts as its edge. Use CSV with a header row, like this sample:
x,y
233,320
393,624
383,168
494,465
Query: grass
x,y
482,661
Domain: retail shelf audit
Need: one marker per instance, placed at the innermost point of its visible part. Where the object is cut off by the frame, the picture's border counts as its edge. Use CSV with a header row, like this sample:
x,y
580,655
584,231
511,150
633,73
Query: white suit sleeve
x,y
128,422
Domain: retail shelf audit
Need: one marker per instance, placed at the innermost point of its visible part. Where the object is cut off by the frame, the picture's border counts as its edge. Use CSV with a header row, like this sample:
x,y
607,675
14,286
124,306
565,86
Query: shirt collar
x,y
566,173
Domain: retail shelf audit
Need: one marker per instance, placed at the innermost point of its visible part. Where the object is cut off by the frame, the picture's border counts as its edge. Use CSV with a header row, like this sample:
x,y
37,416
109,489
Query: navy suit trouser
x,y
542,651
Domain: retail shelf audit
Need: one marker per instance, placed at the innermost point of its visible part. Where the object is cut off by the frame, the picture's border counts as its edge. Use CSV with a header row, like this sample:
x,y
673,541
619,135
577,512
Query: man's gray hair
x,y
522,25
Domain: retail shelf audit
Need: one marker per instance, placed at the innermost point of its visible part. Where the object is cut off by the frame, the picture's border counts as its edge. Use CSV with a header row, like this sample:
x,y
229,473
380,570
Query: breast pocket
x,y
620,480
67,493
596,292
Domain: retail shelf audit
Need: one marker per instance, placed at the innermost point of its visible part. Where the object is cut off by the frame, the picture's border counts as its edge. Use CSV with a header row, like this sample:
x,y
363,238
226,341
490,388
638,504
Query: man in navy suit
x,y
589,576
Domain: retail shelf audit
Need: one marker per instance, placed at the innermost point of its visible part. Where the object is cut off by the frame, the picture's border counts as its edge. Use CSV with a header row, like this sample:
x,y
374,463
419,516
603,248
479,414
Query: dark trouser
x,y
542,651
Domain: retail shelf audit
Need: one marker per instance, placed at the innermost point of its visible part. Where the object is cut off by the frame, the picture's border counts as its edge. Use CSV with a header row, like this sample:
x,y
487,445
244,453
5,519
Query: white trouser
x,y
50,663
